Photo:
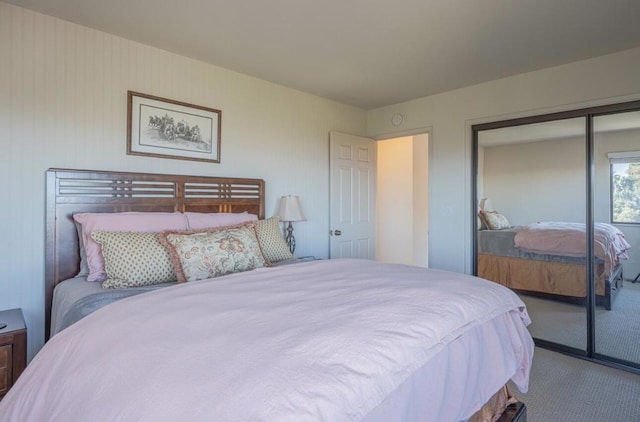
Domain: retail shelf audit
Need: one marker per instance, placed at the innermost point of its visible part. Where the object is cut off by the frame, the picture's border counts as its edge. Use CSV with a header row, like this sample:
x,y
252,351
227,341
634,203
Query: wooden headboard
x,y
74,191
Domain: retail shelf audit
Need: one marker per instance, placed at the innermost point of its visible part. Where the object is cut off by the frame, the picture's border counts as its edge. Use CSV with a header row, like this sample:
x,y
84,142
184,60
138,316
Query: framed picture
x,y
158,127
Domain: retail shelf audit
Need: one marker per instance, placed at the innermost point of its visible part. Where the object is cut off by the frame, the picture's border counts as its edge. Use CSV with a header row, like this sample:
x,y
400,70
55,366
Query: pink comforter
x,y
324,340
570,239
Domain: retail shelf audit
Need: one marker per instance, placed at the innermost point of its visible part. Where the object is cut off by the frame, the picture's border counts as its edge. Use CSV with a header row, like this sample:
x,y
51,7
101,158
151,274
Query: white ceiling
x,y
368,53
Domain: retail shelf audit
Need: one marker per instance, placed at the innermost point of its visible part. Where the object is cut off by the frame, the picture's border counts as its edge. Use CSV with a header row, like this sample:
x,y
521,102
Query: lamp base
x,y
291,241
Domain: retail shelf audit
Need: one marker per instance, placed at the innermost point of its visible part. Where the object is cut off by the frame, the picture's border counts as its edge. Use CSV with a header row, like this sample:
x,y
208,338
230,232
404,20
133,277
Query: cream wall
x,y
537,181
394,198
402,200
63,93
605,79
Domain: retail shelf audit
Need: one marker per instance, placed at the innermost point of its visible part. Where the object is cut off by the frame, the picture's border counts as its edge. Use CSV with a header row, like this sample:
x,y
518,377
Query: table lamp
x,y
289,210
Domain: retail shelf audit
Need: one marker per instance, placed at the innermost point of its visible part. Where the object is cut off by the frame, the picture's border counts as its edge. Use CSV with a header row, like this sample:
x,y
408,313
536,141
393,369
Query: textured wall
x,y
537,181
394,201
450,115
63,93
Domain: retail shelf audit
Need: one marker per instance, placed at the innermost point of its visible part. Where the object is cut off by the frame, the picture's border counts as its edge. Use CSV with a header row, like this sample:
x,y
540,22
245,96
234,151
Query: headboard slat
x,y
74,191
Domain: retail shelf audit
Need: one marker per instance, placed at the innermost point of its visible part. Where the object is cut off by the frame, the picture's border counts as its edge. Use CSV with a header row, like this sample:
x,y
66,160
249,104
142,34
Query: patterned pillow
x,y
494,220
213,252
273,245
134,259
121,222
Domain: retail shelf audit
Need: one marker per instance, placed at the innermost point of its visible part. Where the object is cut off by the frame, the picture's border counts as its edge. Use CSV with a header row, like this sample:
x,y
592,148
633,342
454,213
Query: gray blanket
x,y
501,243
76,298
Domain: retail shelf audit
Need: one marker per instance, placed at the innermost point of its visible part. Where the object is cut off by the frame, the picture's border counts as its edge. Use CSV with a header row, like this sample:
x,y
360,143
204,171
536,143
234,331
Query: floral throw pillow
x,y
201,254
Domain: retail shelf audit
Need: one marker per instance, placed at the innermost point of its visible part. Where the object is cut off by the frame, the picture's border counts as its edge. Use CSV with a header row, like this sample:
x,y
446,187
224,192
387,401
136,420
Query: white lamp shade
x,y
290,209
485,204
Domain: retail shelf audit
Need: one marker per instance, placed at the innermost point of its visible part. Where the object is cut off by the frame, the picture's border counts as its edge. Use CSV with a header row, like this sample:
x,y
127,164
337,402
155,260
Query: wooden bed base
x,y
551,280
612,286
77,191
516,412
501,405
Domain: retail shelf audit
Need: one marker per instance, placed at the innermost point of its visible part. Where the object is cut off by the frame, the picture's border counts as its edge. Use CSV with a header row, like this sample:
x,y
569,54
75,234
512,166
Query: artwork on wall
x,y
159,127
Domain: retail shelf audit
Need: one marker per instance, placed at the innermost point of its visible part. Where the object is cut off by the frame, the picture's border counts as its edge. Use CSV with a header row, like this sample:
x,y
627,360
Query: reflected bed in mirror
x,y
524,259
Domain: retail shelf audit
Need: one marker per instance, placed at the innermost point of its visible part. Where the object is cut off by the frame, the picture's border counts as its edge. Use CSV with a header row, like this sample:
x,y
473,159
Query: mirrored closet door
x,y
556,218
531,190
616,243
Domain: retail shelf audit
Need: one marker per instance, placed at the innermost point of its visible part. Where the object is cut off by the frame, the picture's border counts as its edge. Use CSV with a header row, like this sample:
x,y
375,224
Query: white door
x,y
352,169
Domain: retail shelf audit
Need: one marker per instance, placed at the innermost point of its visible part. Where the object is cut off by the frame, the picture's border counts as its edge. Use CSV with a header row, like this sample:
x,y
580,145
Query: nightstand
x,y
13,348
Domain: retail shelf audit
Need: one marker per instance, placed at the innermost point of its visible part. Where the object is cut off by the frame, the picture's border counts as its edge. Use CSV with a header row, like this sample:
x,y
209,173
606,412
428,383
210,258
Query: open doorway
x,y
403,200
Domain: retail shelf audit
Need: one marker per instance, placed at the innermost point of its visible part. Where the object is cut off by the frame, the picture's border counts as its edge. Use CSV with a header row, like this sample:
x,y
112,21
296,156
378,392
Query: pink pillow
x,y
197,220
121,222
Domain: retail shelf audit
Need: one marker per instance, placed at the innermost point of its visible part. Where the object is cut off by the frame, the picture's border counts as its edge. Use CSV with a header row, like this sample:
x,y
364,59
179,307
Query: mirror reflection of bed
x,y
552,282
531,187
547,259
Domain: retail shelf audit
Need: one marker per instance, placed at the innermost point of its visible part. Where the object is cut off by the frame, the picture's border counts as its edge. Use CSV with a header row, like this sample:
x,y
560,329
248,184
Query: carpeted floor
x,y
617,330
568,389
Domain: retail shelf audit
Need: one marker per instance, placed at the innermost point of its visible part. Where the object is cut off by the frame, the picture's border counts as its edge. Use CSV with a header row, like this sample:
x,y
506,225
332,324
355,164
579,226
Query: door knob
x,y
337,232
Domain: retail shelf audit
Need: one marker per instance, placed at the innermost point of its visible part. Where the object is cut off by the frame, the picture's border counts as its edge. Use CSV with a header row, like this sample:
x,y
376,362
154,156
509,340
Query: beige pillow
x,y
273,245
494,220
213,252
134,259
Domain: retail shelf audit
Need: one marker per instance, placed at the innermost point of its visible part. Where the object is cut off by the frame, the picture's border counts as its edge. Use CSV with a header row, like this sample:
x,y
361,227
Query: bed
x,y
548,259
335,340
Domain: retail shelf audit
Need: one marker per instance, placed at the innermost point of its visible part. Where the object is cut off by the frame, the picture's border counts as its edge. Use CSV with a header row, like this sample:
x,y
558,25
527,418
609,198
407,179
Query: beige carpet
x,y
617,331
568,389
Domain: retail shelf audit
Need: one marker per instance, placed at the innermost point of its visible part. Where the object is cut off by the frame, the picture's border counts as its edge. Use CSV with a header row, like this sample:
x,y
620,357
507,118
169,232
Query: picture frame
x,y
164,128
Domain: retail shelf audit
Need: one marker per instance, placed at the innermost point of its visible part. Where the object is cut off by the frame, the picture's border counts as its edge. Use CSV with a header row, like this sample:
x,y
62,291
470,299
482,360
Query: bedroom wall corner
x,y
601,80
63,94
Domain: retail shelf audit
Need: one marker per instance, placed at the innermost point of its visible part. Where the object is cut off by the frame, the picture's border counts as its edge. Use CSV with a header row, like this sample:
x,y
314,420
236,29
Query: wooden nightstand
x,y
13,348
